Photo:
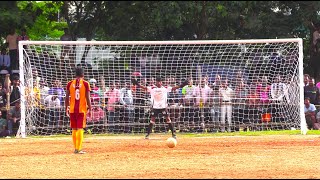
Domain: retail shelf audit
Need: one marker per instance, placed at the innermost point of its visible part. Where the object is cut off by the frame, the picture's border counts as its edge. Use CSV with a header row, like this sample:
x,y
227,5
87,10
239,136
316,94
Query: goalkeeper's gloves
x,y
184,83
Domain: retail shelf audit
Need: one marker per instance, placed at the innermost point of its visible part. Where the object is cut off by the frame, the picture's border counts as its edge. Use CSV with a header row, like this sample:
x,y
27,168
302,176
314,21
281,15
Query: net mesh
x,y
233,86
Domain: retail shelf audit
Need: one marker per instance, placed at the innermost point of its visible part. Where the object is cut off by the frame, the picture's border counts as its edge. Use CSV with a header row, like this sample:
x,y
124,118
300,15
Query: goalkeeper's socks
x,y
149,129
74,138
80,139
171,129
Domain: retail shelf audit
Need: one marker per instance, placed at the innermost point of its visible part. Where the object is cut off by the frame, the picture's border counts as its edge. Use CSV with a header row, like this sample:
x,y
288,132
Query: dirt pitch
x,y
132,157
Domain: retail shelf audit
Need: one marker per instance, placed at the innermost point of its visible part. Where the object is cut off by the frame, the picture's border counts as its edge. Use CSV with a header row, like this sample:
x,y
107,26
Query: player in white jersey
x,y
159,95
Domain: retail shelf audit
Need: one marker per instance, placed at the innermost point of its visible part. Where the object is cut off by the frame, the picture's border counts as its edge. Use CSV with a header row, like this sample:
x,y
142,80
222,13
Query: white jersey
x,y
159,96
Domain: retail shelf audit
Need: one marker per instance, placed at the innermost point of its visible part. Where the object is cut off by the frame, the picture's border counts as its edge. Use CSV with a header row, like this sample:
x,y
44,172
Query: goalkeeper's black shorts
x,y
156,112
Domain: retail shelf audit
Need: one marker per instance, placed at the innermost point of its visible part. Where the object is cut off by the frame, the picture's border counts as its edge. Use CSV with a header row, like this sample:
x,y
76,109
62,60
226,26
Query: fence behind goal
x,y
264,79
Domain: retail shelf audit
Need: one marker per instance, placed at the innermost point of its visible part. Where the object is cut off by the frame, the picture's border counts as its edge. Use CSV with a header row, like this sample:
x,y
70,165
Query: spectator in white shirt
x,y
52,103
126,99
310,112
4,60
226,95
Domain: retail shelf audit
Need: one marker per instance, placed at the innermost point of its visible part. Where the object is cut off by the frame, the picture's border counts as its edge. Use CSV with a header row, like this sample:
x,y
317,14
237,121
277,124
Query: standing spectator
x,y
3,100
316,38
14,116
278,89
67,50
187,92
53,106
95,90
226,95
306,78
311,91
126,99
23,37
44,91
278,92
15,90
113,103
3,126
12,42
57,87
310,113
96,114
241,93
263,90
4,60
201,94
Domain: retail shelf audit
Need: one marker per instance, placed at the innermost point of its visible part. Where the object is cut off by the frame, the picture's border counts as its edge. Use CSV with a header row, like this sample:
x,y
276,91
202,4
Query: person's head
x,y
66,30
12,31
311,82
225,83
23,31
307,101
15,80
264,79
113,85
158,81
127,85
217,77
277,79
152,81
79,72
93,82
306,78
17,104
190,82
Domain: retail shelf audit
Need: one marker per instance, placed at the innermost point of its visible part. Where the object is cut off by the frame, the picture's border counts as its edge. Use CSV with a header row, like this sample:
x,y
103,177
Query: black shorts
x,y
156,112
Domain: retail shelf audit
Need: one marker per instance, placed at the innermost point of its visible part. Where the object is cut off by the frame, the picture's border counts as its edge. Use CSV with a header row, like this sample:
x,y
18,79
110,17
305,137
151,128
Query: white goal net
x,y
234,85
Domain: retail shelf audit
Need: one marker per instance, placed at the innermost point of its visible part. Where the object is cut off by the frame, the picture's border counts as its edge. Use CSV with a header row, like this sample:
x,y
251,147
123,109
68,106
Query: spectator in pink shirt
x,y
263,90
113,103
96,114
202,92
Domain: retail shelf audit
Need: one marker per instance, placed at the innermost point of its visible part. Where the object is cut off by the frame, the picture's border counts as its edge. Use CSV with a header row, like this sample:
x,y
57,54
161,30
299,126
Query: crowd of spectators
x,y
226,100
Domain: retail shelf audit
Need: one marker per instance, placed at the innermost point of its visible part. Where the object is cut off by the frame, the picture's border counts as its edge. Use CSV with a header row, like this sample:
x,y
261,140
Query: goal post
x,y
254,70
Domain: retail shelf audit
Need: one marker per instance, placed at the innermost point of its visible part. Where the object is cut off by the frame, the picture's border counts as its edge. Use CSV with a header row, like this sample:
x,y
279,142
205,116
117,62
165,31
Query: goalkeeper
x,y
159,102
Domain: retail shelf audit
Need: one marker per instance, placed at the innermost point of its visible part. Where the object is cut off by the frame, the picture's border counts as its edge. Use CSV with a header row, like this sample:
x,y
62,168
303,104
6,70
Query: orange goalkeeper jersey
x,y
78,89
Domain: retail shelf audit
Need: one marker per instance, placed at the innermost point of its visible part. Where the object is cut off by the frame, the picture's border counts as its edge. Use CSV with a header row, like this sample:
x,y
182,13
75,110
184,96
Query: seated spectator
x,y
14,118
96,114
310,113
3,126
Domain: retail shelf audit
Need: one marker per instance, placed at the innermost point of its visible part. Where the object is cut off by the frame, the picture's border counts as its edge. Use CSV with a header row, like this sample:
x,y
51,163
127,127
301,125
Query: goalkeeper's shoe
x,y
174,136
75,151
147,136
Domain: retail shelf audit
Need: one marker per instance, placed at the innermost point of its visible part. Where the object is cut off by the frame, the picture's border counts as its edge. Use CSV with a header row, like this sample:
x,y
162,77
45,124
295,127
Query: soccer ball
x,y
171,142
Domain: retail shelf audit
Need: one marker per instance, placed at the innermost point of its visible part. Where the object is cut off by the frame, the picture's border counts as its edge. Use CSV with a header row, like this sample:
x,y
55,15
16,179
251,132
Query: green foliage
x,y
45,19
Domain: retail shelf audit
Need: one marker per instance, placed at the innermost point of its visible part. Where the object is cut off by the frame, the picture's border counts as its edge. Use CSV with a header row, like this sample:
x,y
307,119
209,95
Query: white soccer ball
x,y
171,142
